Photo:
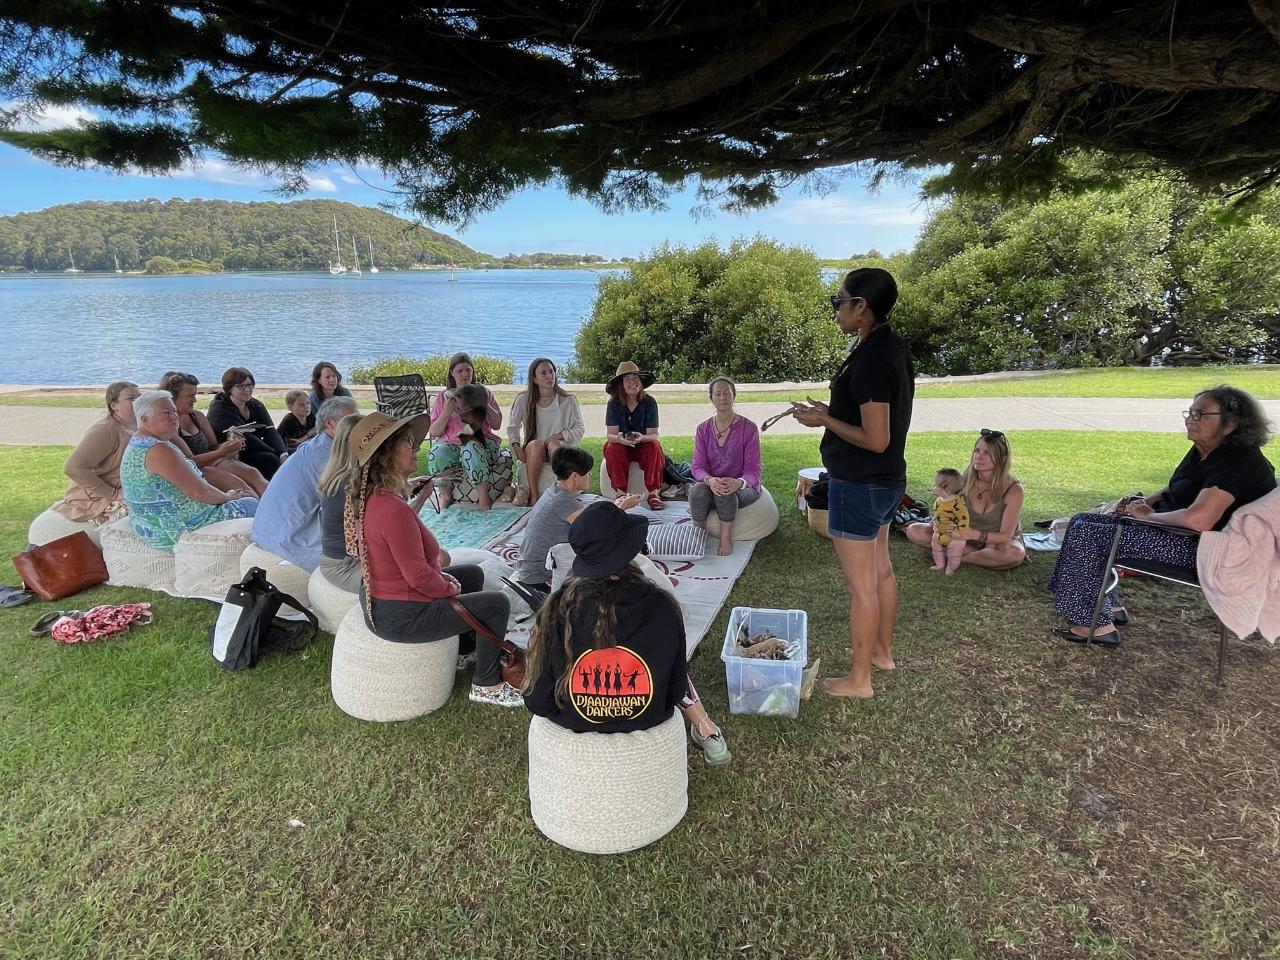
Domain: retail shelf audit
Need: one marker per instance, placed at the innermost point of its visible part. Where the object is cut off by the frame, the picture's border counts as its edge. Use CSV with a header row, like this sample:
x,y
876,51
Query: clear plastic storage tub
x,y
766,687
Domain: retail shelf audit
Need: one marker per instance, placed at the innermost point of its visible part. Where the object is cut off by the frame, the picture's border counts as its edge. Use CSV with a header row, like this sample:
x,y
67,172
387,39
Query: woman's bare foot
x,y
726,546
938,568
445,495
881,662
844,687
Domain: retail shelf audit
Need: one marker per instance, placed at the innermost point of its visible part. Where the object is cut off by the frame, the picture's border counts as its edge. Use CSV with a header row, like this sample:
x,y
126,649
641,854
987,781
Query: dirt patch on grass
x,y
1164,834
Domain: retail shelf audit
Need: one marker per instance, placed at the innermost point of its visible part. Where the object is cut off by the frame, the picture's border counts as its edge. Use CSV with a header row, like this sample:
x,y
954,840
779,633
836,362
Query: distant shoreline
x,y
15,271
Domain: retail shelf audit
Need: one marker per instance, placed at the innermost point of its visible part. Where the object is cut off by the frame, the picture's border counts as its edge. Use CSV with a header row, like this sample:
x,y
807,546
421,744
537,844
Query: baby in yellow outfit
x,y
950,516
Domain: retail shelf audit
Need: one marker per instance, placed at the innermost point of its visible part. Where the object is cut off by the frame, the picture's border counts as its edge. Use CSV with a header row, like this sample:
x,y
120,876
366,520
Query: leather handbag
x,y
62,567
512,656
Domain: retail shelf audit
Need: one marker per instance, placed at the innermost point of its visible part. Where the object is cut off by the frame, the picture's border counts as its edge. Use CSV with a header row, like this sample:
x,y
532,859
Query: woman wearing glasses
x,y
1224,470
863,443
236,406
994,498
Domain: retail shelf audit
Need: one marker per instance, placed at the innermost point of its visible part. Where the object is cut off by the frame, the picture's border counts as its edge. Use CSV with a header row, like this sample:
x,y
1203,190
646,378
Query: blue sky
x,y
849,220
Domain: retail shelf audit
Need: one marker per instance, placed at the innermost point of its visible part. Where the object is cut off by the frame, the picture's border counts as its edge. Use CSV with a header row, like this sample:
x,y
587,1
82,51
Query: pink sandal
x,y
655,502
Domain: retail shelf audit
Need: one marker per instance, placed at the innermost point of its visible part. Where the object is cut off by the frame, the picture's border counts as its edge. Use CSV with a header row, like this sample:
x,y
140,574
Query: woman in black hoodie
x,y
607,652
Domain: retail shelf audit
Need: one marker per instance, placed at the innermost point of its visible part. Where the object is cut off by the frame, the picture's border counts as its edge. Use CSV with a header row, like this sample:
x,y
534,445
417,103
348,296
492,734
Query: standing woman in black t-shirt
x,y
1224,469
863,448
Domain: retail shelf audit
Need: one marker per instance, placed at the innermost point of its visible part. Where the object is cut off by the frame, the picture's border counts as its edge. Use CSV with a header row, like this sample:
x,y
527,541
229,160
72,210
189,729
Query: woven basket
x,y
51,525
818,521
132,563
376,679
206,561
753,522
607,792
330,603
281,573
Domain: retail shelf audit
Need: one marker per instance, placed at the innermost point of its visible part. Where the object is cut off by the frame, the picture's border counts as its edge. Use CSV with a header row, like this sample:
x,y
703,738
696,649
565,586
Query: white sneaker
x,y
504,695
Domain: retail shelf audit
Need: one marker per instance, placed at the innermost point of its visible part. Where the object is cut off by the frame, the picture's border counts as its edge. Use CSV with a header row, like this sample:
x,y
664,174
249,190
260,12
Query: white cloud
x,y
48,117
348,178
843,211
216,171
323,184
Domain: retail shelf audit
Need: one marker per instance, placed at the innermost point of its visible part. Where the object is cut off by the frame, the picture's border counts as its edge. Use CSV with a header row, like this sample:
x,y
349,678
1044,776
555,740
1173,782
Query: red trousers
x,y
618,460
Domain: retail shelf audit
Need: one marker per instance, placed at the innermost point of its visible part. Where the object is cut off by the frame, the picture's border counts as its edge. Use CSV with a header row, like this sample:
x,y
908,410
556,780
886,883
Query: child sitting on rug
x,y
548,522
950,516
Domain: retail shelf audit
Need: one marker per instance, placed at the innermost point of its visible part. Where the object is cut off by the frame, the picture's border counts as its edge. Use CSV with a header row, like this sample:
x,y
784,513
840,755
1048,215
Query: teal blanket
x,y
459,526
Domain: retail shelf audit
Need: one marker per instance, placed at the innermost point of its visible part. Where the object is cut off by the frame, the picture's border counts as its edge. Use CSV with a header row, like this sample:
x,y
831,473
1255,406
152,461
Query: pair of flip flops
x,y
45,624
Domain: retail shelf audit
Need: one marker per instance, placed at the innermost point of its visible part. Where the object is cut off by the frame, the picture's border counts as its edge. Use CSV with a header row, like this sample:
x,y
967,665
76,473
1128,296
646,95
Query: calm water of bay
x,y
94,328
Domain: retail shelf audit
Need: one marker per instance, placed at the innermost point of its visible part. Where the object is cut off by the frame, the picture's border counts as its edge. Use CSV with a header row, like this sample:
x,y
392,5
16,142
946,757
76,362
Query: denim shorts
x,y
857,511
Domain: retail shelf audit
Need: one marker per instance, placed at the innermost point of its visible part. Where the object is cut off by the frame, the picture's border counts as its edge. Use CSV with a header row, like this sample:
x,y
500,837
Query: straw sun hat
x,y
624,368
376,428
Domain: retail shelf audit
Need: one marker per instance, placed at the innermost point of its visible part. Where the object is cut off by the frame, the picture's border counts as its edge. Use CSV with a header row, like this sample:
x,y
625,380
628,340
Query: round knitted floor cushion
x,y
132,563
330,603
206,561
607,792
376,679
51,525
635,482
283,575
753,522
546,477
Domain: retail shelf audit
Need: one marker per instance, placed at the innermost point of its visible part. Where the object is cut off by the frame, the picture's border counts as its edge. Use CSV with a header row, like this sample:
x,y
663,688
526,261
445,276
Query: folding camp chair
x,y
1152,568
403,396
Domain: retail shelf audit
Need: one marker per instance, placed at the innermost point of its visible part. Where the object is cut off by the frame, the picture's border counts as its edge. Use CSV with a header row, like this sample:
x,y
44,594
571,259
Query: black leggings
x,y
413,621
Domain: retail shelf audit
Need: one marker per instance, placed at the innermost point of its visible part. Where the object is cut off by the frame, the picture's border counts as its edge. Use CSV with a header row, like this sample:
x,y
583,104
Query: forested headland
x,y
227,235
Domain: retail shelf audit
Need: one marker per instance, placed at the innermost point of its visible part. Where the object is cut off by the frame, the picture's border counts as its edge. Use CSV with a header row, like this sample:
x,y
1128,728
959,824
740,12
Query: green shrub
x,y
757,312
162,265
433,369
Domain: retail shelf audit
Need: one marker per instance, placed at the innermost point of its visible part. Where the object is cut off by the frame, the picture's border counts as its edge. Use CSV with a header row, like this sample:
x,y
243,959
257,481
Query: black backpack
x,y
247,626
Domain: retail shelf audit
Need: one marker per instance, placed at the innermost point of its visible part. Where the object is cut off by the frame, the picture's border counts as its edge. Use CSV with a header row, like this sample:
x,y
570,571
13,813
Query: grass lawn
x,y
1005,795
1162,383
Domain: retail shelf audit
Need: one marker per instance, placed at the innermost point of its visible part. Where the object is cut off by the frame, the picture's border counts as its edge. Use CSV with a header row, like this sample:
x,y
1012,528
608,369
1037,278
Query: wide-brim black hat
x,y
606,539
624,368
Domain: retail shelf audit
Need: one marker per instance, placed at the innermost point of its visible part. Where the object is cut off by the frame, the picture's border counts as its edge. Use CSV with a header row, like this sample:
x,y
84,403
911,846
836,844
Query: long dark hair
x,y
318,390
560,608
531,397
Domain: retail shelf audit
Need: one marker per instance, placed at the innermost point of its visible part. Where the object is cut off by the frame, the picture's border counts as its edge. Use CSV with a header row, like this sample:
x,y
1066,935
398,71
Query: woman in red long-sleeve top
x,y
407,576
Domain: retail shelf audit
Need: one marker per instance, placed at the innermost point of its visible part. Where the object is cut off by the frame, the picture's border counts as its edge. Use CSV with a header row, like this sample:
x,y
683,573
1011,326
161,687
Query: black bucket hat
x,y
606,539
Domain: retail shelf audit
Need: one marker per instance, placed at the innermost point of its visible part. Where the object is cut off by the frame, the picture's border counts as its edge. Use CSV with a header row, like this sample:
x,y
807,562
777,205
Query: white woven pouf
x,y
132,563
635,482
330,603
282,574
607,792
51,525
376,679
546,477
753,522
206,561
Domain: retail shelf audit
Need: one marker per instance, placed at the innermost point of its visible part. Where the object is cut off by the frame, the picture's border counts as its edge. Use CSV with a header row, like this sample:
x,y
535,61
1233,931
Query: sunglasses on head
x,y
993,434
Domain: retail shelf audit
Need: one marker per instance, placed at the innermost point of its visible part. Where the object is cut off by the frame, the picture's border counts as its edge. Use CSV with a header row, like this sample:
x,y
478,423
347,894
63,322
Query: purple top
x,y
739,457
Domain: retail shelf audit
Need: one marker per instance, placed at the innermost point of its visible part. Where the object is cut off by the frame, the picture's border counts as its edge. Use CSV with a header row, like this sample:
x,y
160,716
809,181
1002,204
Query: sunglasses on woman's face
x,y
836,301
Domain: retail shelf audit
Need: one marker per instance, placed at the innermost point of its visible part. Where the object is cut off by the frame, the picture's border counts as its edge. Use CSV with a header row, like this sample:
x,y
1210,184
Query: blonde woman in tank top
x,y
994,498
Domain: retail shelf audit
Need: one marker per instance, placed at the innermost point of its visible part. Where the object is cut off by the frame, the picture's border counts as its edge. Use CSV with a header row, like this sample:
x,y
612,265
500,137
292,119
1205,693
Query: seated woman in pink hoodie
x,y
726,464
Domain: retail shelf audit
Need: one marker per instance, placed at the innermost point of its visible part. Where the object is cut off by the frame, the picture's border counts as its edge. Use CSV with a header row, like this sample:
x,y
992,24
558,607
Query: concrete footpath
x,y
32,425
